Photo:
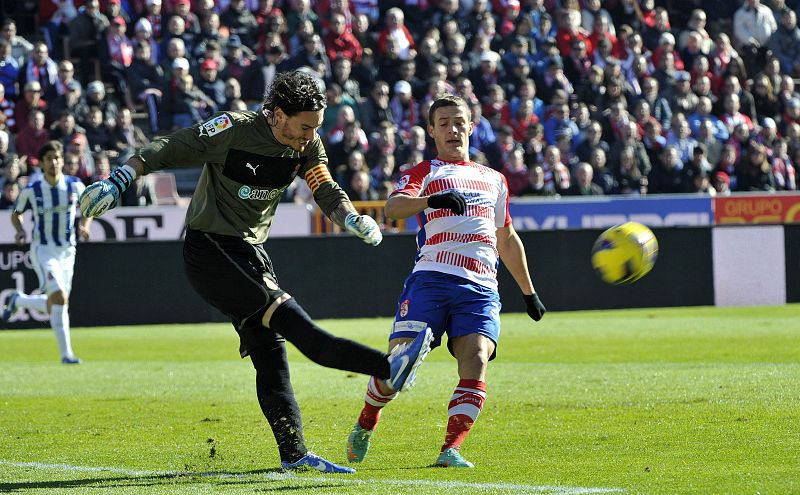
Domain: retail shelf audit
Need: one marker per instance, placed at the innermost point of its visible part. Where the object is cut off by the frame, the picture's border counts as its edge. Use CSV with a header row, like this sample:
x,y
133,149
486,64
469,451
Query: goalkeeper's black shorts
x,y
237,278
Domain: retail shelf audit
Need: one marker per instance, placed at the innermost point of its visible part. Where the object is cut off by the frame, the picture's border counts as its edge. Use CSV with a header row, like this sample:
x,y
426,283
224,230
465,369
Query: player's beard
x,y
290,139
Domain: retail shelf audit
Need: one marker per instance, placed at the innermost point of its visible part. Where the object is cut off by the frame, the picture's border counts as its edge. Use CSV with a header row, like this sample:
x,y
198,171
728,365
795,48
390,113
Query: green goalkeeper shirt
x,y
245,172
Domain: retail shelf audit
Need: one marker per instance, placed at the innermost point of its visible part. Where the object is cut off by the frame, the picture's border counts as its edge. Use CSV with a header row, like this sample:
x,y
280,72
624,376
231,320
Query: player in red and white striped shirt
x,y
465,229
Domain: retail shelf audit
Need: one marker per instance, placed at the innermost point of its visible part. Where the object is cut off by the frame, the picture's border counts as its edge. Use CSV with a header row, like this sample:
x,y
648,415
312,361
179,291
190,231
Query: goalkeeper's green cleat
x,y
452,458
358,443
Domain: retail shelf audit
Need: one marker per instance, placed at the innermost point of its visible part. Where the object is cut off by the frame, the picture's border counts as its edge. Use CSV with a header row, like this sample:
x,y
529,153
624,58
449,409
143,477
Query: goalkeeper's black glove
x,y
535,307
451,200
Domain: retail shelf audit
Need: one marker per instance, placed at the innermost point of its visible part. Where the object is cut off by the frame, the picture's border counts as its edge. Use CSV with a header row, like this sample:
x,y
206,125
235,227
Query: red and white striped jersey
x,y
462,245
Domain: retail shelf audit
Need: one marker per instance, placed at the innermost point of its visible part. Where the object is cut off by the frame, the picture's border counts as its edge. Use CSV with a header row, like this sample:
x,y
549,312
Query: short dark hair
x,y
51,146
448,101
295,92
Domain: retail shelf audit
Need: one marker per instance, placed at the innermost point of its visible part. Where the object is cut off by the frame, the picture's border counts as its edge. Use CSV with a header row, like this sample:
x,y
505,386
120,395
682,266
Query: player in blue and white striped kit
x,y
53,200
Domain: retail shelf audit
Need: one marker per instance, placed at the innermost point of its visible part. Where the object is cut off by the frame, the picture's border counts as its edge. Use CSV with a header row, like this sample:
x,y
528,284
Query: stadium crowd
x,y
572,97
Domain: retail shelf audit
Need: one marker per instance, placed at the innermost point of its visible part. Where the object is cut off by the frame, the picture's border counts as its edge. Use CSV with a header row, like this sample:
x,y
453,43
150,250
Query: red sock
x,y
374,401
464,408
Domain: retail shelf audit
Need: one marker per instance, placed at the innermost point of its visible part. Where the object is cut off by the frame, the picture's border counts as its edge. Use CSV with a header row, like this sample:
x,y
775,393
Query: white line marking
x,y
341,479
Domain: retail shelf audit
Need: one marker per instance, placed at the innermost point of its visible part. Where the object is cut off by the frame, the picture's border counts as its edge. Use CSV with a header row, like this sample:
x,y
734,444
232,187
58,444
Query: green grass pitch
x,y
656,401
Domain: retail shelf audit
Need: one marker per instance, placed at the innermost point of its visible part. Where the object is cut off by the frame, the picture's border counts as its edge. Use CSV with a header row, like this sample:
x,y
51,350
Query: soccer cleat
x,y
313,461
70,360
452,458
358,443
406,358
11,306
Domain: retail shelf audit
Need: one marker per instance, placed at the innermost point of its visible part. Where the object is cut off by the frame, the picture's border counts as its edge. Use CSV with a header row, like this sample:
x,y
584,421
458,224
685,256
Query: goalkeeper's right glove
x,y
451,200
103,195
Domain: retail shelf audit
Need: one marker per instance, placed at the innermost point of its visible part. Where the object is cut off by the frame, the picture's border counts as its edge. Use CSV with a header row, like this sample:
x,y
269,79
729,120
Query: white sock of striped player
x,y
374,401
36,302
464,408
59,321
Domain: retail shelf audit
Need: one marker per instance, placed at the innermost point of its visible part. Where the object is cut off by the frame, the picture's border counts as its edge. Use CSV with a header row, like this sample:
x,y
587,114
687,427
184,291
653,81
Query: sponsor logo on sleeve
x,y
216,125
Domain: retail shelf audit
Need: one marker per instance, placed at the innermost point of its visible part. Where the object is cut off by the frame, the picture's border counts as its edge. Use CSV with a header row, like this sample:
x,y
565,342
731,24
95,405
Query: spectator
x,y
782,168
65,128
9,195
176,30
79,147
20,47
241,22
117,56
210,84
340,41
556,174
536,184
86,34
721,183
97,132
667,174
359,188
9,72
403,106
144,80
153,15
753,25
396,30
515,171
188,105
39,67
785,43
311,55
143,34
602,175
126,136
32,137
584,184
755,172
182,9
696,24
7,109
96,96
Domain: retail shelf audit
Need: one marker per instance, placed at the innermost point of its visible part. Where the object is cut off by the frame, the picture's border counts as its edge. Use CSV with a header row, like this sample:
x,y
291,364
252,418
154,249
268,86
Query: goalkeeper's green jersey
x,y
245,172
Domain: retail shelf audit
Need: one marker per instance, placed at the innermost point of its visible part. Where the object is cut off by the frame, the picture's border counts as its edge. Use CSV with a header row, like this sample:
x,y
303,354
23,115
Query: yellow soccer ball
x,y
624,253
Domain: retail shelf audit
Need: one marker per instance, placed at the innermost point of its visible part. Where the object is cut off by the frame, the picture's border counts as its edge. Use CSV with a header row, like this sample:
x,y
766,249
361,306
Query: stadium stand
x,y
656,77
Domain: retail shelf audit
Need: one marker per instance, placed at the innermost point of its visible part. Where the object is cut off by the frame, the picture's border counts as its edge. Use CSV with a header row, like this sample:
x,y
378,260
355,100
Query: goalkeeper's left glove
x,y
364,227
104,195
534,305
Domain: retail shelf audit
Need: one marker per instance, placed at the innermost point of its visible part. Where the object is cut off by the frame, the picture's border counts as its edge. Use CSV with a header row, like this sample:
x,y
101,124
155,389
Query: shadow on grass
x,y
225,477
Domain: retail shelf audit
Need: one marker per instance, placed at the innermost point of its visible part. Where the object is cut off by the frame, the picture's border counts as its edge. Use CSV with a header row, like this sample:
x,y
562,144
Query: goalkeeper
x,y
250,159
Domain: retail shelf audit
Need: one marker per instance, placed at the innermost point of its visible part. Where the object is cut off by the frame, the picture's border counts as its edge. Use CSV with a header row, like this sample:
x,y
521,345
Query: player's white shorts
x,y
54,265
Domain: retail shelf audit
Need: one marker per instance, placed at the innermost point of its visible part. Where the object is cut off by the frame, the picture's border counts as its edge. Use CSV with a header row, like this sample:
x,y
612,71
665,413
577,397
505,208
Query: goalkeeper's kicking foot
x,y
406,358
358,443
452,458
11,306
313,461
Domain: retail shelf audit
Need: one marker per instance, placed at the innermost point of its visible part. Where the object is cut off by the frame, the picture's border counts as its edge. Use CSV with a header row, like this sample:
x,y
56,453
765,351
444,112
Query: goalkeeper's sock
x,y
59,320
294,324
464,408
36,302
374,401
276,398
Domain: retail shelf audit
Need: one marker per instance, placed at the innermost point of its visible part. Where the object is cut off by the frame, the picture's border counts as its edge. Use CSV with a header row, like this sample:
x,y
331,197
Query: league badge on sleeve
x,y
216,125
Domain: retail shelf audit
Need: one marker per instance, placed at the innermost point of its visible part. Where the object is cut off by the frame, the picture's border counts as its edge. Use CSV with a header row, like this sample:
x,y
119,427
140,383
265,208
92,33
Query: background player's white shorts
x,y
54,265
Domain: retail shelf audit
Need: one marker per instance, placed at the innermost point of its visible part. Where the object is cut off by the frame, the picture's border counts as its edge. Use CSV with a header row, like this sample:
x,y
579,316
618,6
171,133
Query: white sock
x,y
59,320
36,302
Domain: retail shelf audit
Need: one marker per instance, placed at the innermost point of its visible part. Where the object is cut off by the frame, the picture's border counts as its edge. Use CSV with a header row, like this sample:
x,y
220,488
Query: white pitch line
x,y
341,479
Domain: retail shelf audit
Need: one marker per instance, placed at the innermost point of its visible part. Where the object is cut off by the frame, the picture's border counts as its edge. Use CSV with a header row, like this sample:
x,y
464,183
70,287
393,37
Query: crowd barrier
x,y
167,222
140,282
